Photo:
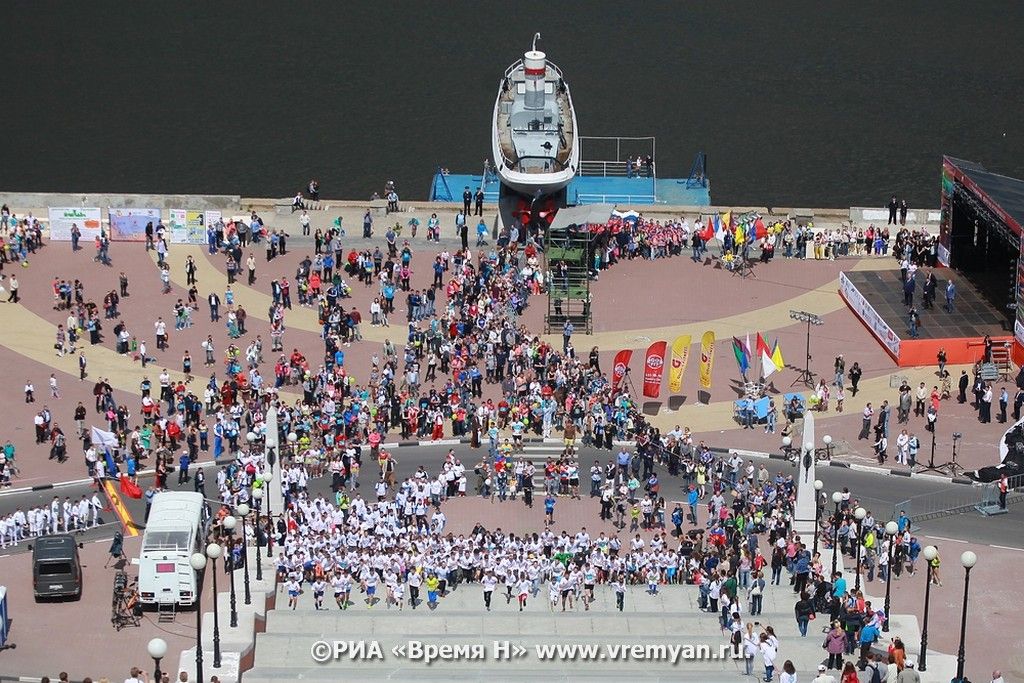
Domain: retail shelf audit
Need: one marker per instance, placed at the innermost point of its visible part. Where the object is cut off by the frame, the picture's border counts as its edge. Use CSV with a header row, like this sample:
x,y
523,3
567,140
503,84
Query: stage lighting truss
x,y
805,317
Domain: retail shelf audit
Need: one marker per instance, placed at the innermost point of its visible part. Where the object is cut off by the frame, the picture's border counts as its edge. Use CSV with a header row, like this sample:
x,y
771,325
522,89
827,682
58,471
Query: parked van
x,y
56,567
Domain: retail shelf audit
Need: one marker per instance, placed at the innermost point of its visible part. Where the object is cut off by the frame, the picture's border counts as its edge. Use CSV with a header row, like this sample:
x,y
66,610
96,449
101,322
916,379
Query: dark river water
x,y
795,103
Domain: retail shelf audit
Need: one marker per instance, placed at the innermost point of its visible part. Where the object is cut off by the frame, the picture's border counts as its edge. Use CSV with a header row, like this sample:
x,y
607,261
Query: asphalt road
x,y
878,493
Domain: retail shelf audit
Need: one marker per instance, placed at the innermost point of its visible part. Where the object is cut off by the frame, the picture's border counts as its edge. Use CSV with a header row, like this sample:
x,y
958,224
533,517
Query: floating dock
x,y
599,181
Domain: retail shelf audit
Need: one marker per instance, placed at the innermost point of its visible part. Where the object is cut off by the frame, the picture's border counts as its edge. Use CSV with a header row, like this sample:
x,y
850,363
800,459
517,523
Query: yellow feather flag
x,y
777,356
707,357
680,356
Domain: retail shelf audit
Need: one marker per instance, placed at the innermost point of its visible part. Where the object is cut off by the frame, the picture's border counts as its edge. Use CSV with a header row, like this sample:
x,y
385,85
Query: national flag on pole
x,y
764,354
777,356
109,460
727,221
742,355
760,231
741,235
102,438
719,228
130,488
708,231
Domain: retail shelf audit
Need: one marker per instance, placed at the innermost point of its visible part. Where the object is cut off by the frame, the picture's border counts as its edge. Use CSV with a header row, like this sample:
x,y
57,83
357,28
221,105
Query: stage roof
x,y
1007,192
586,214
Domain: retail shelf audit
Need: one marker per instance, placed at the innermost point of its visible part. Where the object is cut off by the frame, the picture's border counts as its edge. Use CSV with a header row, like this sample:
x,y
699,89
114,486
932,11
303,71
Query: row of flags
x,y
770,359
746,227
654,362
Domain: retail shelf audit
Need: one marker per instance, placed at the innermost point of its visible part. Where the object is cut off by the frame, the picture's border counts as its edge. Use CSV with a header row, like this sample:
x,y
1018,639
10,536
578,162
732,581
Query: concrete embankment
x,y
278,213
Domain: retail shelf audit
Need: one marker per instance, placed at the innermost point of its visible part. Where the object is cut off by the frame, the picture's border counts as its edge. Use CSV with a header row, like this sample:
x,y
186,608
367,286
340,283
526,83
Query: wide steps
x,y
318,674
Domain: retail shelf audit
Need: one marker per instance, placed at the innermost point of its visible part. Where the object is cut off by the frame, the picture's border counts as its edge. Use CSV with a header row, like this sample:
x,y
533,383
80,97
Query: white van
x,y
176,529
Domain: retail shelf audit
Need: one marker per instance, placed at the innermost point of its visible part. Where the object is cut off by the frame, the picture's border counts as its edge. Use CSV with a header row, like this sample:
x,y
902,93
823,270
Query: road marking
x,y
119,508
1006,547
951,540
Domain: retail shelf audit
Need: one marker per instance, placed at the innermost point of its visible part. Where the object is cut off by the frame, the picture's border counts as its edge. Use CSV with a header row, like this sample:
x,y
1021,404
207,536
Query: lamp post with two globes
x,y
229,526
243,513
818,486
257,497
891,529
859,514
837,498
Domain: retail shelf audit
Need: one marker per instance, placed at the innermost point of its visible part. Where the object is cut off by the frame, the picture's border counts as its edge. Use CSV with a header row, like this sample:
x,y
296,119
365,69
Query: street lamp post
x,y
818,486
268,480
213,552
229,525
930,553
787,447
827,440
859,514
257,496
157,649
837,498
243,512
198,562
968,560
292,438
891,529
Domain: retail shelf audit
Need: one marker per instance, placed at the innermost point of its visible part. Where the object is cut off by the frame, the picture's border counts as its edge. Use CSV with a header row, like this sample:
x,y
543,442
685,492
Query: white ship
x,y
534,139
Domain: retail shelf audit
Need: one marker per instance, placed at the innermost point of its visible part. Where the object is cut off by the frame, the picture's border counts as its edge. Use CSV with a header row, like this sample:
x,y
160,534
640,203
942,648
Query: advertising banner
x,y
88,220
680,355
211,218
621,365
129,225
869,316
707,358
187,227
654,368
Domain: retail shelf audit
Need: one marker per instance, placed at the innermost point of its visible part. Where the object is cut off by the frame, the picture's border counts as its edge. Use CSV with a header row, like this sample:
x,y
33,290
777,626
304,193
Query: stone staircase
x,y
637,642
464,642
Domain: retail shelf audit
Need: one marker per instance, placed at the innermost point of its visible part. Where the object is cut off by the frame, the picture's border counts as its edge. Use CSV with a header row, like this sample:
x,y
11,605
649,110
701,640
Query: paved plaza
x,y
635,302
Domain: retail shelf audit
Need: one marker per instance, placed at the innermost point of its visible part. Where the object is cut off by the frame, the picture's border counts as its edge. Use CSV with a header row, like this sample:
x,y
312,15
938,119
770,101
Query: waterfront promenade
x,y
626,314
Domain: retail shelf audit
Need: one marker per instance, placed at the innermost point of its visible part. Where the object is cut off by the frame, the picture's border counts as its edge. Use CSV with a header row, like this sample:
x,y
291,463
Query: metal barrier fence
x,y
958,499
992,503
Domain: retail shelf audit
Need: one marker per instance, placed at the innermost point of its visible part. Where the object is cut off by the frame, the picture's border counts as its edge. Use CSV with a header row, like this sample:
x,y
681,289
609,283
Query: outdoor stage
x,y
876,298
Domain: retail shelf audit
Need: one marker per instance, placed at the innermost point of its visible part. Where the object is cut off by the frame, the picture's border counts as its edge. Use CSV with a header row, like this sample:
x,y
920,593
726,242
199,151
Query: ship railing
x,y
590,198
604,168
518,65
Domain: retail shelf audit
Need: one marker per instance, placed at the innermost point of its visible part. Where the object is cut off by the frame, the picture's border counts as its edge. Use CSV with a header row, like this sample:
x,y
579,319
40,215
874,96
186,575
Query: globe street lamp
x,y
292,438
818,486
268,480
827,440
837,498
213,552
198,562
157,649
891,529
859,514
229,525
787,447
930,553
968,560
243,511
257,496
